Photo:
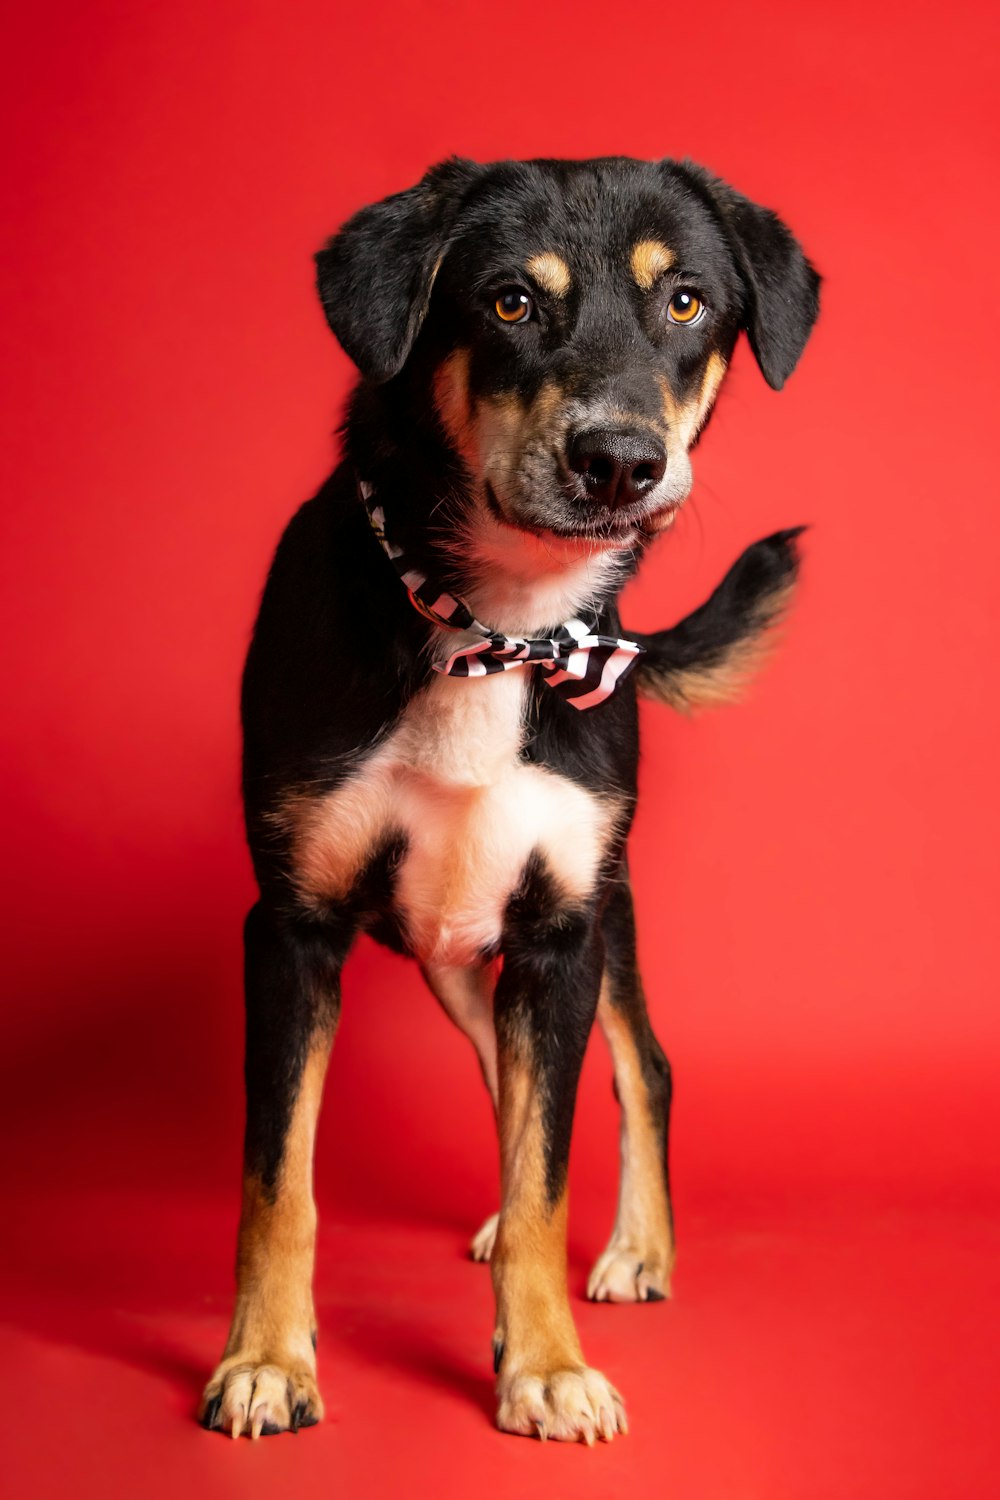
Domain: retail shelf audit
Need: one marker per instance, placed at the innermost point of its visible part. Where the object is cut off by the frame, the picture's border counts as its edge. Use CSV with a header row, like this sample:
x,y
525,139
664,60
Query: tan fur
x,y
639,1256
695,413
640,1253
649,260
726,683
714,372
485,1237
543,1385
451,398
269,1365
728,679
670,406
521,583
504,424
685,419
529,1260
551,272
524,583
680,417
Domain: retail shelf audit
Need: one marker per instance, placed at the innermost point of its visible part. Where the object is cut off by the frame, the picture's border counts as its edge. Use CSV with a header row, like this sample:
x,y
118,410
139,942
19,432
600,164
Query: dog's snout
x,y
617,467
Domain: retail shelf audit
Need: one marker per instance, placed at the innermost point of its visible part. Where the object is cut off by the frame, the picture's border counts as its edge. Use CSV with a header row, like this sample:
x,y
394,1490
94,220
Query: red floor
x,y
816,876
821,1349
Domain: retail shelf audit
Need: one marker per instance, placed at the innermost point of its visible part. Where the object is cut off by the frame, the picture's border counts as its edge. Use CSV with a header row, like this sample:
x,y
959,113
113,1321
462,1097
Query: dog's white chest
x,y
471,813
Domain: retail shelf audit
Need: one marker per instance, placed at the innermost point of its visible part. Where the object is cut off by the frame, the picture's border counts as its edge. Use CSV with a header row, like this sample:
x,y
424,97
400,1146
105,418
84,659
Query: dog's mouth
x,y
594,530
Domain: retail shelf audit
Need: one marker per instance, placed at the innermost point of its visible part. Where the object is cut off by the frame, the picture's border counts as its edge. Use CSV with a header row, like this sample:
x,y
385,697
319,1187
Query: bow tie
x,y
582,667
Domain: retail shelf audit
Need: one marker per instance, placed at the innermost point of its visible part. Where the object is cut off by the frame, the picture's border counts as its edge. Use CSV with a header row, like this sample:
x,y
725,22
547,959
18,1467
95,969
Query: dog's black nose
x,y
617,467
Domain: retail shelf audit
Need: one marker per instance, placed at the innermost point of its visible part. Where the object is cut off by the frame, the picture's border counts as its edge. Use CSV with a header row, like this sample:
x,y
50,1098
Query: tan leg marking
x,y
266,1380
543,1385
649,260
551,272
637,1263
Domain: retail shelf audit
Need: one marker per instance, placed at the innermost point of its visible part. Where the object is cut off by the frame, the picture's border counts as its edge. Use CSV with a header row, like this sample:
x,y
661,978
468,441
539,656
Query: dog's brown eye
x,y
513,305
685,307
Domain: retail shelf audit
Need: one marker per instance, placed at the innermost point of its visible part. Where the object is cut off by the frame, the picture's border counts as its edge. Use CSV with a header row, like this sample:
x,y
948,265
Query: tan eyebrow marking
x,y
551,272
650,258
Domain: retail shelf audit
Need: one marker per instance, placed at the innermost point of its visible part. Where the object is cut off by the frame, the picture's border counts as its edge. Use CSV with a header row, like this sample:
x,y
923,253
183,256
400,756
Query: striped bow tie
x,y
582,667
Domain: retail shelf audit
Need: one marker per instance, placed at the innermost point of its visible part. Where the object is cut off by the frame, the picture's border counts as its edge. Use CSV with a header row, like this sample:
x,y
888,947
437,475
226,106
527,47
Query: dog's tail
x,y
710,656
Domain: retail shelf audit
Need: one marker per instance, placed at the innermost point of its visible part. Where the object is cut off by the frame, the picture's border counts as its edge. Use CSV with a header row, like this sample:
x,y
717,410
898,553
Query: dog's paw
x,y
622,1274
259,1398
482,1242
567,1405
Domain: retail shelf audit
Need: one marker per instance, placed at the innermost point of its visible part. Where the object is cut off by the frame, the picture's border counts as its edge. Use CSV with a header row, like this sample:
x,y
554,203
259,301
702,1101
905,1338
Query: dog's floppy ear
x,y
376,275
782,289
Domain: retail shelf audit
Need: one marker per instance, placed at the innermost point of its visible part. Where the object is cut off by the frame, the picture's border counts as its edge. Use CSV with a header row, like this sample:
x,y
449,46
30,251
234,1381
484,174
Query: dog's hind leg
x,y
266,1381
466,996
639,1257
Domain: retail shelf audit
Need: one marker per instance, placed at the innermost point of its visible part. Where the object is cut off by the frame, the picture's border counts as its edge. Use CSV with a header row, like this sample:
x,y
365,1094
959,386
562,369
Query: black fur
x,y
747,601
781,287
338,653
292,991
375,276
546,1000
408,280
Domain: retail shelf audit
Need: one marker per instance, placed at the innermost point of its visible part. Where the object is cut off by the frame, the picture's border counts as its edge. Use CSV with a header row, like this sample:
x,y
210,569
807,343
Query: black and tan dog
x,y
440,717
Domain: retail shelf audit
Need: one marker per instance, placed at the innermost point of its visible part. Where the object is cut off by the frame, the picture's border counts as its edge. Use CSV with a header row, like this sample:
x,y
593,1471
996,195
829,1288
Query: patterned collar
x,y
582,667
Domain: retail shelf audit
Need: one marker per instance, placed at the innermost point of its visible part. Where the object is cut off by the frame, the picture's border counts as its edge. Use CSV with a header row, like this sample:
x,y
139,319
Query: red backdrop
x,y
816,871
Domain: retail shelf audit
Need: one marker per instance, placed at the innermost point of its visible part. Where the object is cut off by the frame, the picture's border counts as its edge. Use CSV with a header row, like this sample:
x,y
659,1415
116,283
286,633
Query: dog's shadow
x,y
112,1302
124,1185
395,1338
86,1106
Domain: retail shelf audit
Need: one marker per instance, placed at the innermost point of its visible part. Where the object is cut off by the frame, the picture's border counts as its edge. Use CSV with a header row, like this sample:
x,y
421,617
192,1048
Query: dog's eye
x,y
685,307
514,305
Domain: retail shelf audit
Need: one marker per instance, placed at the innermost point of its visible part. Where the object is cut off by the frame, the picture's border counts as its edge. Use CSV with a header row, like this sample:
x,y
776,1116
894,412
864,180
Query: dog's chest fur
x,y
450,783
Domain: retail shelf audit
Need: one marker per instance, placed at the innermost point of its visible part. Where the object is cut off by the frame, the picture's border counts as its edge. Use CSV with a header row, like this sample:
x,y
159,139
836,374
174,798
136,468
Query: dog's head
x,y
571,323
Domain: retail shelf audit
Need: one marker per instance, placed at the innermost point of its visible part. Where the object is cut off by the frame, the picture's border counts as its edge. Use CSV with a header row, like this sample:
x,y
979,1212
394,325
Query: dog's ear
x,y
376,275
781,287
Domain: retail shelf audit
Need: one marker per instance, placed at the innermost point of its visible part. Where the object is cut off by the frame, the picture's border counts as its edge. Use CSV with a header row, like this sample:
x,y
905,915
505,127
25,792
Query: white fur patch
x,y
450,781
526,584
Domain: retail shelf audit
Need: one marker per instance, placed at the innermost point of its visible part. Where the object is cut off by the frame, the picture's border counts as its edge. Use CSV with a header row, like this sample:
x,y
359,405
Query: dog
x,y
440,709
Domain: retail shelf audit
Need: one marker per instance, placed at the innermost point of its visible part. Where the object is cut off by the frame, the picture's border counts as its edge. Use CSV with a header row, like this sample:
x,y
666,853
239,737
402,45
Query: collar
x,y
581,666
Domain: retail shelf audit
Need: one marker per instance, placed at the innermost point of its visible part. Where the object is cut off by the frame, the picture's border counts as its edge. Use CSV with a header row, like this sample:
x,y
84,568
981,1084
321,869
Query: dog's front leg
x,y
266,1381
544,1007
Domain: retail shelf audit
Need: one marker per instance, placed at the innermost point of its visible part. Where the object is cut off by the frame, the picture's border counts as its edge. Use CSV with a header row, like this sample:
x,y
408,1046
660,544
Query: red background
x,y
816,871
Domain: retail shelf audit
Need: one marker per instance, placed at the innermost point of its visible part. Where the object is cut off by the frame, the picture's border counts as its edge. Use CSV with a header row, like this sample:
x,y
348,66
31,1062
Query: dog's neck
x,y
514,581
526,584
